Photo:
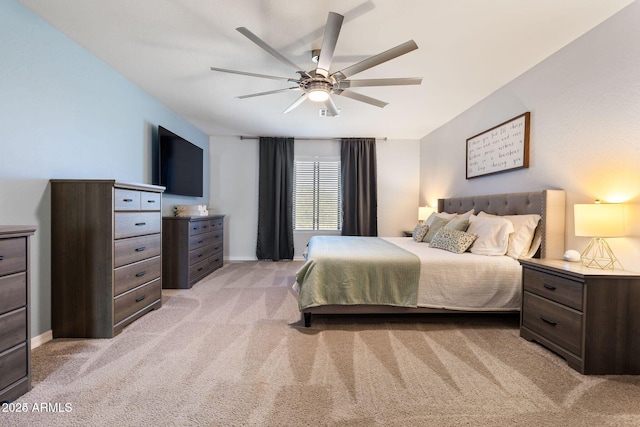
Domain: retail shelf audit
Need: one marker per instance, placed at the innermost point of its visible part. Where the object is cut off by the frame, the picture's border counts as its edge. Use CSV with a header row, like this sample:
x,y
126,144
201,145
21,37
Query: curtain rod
x,y
307,139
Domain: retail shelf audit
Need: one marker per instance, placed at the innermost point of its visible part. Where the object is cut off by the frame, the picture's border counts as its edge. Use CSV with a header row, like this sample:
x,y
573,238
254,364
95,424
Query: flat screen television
x,y
180,164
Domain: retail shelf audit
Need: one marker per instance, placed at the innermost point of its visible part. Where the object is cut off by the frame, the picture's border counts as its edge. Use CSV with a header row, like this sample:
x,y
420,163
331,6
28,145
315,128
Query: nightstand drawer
x,y
555,288
556,323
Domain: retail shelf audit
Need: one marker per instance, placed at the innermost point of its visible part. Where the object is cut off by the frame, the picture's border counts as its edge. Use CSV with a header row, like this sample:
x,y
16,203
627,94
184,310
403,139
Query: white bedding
x,y
465,282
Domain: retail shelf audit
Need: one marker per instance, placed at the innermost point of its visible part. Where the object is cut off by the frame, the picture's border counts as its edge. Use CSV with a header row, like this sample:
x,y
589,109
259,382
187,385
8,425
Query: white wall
x,y
585,129
65,114
234,189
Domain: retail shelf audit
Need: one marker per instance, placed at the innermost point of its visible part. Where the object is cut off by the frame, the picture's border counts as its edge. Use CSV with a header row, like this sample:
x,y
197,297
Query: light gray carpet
x,y
232,351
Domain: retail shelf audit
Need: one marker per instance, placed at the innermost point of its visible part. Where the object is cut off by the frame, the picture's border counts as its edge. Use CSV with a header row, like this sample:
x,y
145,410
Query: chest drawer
x,y
126,200
200,240
132,275
557,323
555,288
13,328
129,224
149,201
13,292
13,365
216,224
127,304
13,255
135,249
195,227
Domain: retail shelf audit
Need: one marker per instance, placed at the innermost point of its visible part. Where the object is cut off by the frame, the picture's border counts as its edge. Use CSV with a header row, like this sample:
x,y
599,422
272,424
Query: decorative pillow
x,y
466,215
435,215
420,231
451,240
493,235
524,229
458,223
436,225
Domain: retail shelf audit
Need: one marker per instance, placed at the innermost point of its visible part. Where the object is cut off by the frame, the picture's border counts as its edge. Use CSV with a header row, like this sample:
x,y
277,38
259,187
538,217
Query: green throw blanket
x,y
357,270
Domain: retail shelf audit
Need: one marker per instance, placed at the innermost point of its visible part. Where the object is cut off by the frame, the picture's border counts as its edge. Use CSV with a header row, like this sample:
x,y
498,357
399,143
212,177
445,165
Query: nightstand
x,y
588,316
407,233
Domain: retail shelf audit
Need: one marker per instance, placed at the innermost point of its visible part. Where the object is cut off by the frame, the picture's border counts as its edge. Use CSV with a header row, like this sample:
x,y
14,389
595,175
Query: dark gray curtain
x,y
275,199
359,187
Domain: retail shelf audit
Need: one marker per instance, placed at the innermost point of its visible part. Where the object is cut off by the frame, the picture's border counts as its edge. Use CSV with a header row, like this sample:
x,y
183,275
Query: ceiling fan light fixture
x,y
318,95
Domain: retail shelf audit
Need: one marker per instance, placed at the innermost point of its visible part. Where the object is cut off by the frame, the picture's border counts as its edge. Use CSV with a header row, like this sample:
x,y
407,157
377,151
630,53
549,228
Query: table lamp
x,y
599,220
424,212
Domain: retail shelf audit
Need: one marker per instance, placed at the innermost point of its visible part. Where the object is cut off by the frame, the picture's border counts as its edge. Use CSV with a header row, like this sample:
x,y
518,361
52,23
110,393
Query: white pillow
x,y
493,234
524,227
446,215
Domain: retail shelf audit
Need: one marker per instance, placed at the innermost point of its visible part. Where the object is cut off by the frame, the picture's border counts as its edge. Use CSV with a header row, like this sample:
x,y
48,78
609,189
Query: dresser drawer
x,y
557,323
13,365
126,200
555,288
129,224
200,240
135,249
215,261
128,303
149,201
199,269
200,254
216,224
13,328
13,292
13,255
133,275
195,227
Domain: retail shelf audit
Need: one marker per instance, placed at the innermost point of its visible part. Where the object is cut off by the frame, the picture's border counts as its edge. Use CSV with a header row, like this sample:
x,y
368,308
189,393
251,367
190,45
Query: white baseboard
x,y
41,339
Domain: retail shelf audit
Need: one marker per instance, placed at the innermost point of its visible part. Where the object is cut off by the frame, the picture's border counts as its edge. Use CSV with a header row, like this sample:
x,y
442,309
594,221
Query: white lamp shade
x,y
599,220
424,212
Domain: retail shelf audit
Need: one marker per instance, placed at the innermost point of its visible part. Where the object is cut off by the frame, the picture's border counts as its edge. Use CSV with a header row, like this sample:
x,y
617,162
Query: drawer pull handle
x,y
200,255
1,257
550,322
139,224
127,200
200,269
142,273
551,288
200,241
151,201
140,298
141,248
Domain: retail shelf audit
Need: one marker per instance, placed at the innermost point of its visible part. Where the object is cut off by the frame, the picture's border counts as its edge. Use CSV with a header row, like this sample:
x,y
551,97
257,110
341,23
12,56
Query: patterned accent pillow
x,y
420,231
451,240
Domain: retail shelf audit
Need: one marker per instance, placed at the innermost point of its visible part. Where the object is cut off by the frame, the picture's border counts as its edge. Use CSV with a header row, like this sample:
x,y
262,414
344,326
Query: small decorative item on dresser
x,y
191,210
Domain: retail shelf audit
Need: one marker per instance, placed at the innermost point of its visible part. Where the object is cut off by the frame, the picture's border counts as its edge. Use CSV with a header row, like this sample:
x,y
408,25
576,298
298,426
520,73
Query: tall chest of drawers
x,y
192,248
106,256
590,317
15,336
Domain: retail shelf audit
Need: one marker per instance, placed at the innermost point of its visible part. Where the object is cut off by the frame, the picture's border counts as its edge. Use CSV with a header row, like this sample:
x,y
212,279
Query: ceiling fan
x,y
318,85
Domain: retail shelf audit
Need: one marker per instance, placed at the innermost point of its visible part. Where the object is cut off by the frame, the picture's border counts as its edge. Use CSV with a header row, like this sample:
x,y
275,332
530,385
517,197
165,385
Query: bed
x,y
404,276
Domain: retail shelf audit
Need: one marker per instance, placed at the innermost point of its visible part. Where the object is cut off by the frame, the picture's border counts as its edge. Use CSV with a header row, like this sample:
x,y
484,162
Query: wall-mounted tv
x,y
180,164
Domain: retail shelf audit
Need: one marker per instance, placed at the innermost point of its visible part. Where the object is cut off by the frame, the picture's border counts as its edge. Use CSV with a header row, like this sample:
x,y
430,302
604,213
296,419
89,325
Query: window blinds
x,y
317,195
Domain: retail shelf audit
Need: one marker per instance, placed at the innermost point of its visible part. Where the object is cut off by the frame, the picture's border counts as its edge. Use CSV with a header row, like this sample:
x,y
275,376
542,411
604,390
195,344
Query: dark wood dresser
x,y
192,248
105,256
590,317
15,334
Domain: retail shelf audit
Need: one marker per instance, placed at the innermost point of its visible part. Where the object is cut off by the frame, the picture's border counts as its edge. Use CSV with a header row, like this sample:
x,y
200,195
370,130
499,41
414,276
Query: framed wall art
x,y
502,148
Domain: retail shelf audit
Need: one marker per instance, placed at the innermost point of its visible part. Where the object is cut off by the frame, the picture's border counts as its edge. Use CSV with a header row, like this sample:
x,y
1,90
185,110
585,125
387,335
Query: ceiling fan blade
x,y
362,98
257,40
269,92
244,73
380,82
378,59
297,102
329,41
331,106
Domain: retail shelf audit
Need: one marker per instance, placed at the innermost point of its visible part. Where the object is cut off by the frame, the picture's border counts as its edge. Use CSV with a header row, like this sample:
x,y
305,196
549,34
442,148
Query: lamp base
x,y
598,254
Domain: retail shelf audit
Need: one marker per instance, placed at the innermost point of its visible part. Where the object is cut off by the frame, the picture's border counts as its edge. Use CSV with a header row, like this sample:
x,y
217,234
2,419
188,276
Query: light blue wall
x,y
66,114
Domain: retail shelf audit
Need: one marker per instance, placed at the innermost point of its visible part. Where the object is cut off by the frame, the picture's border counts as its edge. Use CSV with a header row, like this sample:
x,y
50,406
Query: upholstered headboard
x,y
549,204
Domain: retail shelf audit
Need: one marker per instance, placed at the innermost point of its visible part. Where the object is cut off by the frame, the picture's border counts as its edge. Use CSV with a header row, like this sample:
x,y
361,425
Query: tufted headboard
x,y
549,204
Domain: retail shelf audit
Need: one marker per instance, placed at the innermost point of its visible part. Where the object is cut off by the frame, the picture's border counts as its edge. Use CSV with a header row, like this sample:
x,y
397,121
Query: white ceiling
x,y
467,50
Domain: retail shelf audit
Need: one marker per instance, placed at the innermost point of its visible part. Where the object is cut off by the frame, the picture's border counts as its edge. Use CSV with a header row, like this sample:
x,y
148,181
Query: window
x,y
317,195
